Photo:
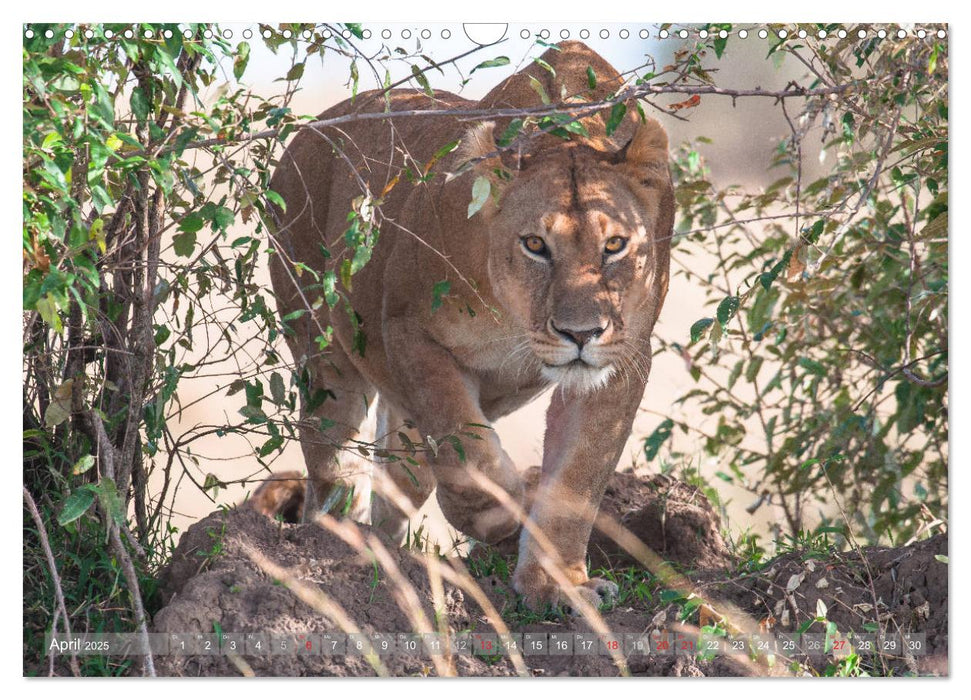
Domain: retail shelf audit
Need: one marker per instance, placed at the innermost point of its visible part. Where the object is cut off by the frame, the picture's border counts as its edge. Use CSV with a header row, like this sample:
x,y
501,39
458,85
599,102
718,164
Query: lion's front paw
x,y
539,590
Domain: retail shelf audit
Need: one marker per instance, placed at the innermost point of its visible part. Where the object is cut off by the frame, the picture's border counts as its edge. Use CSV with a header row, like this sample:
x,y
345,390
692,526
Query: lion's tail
x,y
280,495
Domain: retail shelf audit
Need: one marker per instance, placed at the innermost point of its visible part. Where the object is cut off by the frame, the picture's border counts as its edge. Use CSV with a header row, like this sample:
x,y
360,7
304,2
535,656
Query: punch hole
x,y
584,33
426,34
742,33
605,34
783,33
841,33
802,34
446,34
564,33
703,33
663,34
683,34
623,34
763,34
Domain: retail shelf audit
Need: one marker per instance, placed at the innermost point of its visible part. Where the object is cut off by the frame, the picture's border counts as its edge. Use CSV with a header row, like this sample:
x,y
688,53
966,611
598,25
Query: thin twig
x,y
55,578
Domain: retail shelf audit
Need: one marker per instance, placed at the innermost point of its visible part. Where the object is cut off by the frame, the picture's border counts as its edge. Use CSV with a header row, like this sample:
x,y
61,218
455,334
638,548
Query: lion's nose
x,y
579,336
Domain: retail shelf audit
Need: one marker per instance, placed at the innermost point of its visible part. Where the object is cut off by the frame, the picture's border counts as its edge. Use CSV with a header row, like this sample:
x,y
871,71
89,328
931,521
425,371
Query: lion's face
x,y
577,248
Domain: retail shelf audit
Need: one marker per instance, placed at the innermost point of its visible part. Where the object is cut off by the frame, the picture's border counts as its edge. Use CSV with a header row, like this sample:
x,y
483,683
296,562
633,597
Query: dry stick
x,y
456,573
315,598
404,592
579,108
55,578
107,454
131,578
351,534
433,566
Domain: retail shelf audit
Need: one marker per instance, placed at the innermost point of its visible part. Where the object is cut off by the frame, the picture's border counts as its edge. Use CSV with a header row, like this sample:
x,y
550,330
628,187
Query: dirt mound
x,y
215,582
673,518
902,590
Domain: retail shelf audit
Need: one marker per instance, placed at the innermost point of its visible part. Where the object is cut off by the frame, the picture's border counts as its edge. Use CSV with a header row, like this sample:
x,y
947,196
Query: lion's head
x,y
579,242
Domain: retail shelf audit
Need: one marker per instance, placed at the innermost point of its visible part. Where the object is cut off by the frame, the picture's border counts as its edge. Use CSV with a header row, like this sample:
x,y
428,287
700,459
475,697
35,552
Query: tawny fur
x,y
512,321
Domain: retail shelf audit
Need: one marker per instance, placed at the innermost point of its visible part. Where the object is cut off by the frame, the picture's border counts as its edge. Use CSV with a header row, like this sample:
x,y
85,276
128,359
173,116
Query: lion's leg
x,y
338,479
584,439
411,480
443,400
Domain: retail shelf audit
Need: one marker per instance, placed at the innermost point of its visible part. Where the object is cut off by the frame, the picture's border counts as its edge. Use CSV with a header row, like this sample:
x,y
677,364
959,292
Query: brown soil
x,y
212,581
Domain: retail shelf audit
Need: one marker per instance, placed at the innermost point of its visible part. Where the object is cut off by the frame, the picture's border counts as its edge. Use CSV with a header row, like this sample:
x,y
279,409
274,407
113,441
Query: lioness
x,y
558,279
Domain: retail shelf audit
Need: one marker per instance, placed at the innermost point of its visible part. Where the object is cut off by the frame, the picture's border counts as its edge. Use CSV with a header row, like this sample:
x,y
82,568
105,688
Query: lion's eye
x,y
535,245
615,244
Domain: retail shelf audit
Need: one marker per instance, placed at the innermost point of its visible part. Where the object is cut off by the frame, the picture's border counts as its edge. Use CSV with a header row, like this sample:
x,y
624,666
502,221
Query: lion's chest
x,y
498,356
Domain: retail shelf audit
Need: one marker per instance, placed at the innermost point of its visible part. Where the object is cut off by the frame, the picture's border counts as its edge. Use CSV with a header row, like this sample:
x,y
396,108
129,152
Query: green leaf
x,y
253,414
510,133
270,445
184,244
591,78
276,199
241,59
545,65
941,558
492,63
438,291
139,105
422,80
295,72
811,366
726,310
83,465
654,441
277,389
76,504
457,446
192,222
719,45
540,90
110,500
616,117
699,327
222,218
481,189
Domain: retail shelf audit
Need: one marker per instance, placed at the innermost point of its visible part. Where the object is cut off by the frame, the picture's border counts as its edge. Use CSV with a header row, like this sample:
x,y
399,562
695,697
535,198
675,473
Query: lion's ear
x,y
489,161
648,149
479,146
